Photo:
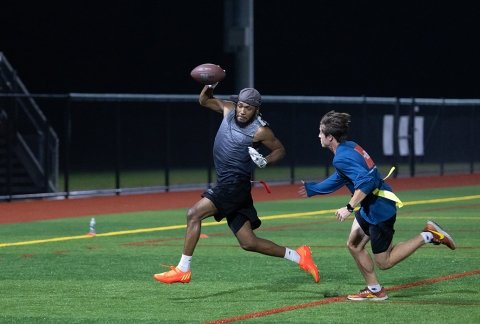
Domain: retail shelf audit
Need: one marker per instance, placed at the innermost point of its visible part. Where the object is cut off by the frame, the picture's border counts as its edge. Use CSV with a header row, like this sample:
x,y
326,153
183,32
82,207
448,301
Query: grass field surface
x,y
52,272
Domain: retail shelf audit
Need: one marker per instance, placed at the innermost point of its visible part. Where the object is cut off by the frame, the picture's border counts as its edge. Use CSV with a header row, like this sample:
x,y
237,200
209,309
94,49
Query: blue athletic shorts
x,y
234,202
381,235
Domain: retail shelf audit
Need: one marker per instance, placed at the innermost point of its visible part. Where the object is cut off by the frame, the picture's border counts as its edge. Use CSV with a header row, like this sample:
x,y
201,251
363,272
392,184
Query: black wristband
x,y
350,208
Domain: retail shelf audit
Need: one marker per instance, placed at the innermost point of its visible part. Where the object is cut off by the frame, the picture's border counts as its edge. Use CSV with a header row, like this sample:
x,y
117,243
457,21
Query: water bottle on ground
x,y
92,231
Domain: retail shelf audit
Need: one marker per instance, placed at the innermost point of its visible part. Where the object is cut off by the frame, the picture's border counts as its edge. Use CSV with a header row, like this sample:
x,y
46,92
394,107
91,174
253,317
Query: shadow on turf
x,y
289,285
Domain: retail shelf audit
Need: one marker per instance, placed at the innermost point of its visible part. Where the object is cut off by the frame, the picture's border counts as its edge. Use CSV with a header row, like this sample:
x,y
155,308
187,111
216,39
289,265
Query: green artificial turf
x,y
108,278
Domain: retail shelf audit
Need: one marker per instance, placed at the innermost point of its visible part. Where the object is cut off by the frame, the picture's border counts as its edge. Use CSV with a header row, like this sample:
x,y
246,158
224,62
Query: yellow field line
x,y
441,200
213,223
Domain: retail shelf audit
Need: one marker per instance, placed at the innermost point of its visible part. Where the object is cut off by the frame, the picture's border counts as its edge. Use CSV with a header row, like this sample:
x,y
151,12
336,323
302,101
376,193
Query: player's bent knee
x,y
248,245
383,264
190,214
353,248
193,216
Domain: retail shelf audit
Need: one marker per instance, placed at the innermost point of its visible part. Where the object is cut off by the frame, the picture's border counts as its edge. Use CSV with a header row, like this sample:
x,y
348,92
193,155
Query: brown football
x,y
208,73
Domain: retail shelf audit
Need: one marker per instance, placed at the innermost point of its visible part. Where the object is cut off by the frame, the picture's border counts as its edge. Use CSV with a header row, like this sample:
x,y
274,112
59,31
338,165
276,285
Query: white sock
x,y
427,237
375,288
184,263
292,255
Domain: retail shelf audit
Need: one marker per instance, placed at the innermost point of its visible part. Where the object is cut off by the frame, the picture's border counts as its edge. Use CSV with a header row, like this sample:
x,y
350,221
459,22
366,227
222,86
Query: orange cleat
x,y
173,276
306,262
439,235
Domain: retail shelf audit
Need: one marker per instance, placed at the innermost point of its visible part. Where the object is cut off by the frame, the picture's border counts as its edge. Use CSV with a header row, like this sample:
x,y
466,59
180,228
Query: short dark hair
x,y
335,124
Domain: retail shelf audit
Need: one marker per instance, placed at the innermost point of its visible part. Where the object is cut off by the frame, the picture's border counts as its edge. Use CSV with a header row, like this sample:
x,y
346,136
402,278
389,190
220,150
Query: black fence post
x,y
118,149
211,136
46,157
411,138
364,128
10,131
66,146
293,145
472,140
167,149
442,147
396,121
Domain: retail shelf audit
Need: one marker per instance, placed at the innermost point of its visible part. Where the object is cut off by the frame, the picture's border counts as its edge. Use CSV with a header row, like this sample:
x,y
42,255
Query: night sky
x,y
342,48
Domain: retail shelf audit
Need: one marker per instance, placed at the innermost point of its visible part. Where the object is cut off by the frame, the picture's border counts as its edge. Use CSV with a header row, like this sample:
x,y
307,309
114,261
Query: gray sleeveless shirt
x,y
230,150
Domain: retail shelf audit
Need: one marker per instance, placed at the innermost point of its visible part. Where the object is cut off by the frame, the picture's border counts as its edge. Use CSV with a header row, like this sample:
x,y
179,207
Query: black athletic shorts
x,y
381,234
234,202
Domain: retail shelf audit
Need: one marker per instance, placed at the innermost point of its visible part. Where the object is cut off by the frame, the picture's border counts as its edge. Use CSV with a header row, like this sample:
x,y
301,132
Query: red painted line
x,y
279,310
338,299
433,280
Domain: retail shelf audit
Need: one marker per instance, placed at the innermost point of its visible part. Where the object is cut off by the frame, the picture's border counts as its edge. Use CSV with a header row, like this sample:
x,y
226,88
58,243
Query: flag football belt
x,y
388,194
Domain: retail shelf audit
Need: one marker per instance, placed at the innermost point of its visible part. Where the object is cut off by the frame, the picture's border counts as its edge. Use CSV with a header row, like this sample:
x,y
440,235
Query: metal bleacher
x,y
28,144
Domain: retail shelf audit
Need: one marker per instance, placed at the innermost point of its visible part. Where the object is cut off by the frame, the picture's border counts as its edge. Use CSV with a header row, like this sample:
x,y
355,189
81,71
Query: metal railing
x,y
124,143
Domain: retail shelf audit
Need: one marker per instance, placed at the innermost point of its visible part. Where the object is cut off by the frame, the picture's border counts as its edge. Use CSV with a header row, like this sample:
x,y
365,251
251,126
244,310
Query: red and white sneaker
x,y
173,276
306,262
367,294
439,235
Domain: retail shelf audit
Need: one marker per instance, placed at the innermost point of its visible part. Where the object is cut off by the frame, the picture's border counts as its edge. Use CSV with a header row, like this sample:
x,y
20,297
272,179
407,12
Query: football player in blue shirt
x,y
375,218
